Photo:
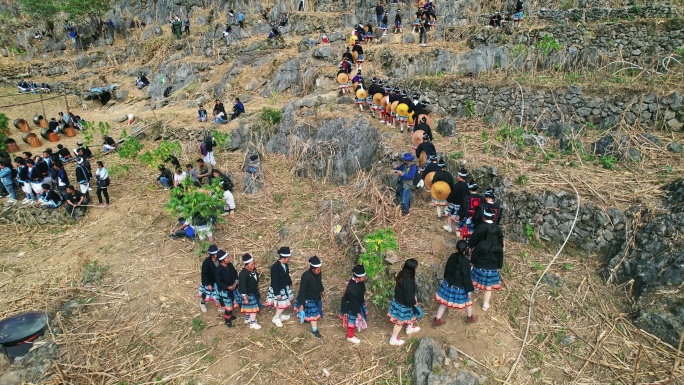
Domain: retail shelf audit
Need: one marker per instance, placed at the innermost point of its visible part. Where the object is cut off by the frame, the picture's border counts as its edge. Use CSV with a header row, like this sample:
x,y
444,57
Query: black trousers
x,y
100,192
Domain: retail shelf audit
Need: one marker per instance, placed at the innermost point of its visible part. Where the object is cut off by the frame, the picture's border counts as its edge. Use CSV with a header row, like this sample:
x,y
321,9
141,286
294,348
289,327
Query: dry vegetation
x,y
122,292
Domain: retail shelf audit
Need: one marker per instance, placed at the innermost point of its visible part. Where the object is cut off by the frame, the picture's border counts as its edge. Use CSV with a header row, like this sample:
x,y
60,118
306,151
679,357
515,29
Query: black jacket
x,y
444,176
358,48
405,293
280,277
422,126
457,272
219,108
458,193
431,167
249,282
166,173
470,205
498,211
208,272
51,195
36,175
82,174
480,257
108,140
86,152
225,276
353,297
310,288
52,125
22,174
347,55
426,147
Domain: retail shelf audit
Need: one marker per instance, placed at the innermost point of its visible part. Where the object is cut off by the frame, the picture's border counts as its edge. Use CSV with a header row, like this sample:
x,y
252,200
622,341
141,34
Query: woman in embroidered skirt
x,y
279,294
455,290
487,244
311,293
247,294
404,309
353,310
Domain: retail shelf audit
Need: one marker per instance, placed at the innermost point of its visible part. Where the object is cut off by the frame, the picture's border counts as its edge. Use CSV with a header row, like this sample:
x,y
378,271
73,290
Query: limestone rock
x,y
447,126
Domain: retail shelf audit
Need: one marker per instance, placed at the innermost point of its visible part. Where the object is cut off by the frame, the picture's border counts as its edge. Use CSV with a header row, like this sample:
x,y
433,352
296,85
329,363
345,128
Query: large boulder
x,y
447,126
287,77
432,367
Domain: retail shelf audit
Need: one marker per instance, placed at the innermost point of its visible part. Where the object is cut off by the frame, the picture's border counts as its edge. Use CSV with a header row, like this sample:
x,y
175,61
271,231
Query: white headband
x,y
285,255
319,265
362,275
248,261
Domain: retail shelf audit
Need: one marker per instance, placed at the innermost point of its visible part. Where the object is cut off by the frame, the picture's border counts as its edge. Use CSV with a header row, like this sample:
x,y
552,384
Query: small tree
x,y
82,9
44,10
189,201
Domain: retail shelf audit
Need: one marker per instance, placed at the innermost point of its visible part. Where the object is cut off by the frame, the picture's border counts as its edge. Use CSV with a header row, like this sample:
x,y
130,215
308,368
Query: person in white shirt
x,y
230,202
178,177
102,177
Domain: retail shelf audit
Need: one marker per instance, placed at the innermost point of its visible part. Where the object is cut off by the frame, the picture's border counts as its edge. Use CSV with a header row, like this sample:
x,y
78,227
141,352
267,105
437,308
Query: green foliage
x,y
130,148
608,161
469,108
81,9
548,44
88,132
456,155
198,325
40,9
520,48
515,135
118,171
522,180
104,128
382,286
270,115
221,138
529,232
189,201
485,136
93,272
4,130
156,157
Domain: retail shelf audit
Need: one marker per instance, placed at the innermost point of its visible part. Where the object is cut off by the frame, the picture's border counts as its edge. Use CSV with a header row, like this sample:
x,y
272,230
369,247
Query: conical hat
x,y
342,78
402,109
383,102
355,84
365,29
417,138
355,55
394,105
440,190
422,159
361,93
377,97
388,107
428,179
410,116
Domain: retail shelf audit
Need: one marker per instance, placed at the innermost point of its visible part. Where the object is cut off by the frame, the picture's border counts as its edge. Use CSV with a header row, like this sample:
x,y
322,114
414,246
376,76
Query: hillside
x,y
575,119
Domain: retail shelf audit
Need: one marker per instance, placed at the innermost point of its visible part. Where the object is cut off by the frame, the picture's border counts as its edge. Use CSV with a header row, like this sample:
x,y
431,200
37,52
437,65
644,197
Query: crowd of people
x,y
25,86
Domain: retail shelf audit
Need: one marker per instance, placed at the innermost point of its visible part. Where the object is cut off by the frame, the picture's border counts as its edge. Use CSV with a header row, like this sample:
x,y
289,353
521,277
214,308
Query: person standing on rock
x,y
247,294
359,51
311,294
404,309
384,23
397,22
406,172
207,289
426,147
379,11
353,309
518,15
375,88
423,28
209,145
487,245
102,177
489,203
279,293
186,25
456,198
83,176
456,288
226,283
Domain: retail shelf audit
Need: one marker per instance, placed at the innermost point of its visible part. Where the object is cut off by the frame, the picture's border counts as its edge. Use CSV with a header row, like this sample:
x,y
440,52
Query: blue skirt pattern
x,y
402,315
486,279
452,209
284,303
518,15
313,310
210,295
452,296
253,304
225,300
351,318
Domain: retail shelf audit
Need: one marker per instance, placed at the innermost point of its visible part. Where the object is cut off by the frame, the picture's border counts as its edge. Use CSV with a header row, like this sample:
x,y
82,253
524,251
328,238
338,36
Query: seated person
x,y
45,88
75,199
228,31
142,81
220,118
49,198
78,123
238,109
183,229
179,177
165,177
283,20
495,21
64,154
202,114
83,152
53,126
218,108
23,86
33,87
274,32
109,144
63,118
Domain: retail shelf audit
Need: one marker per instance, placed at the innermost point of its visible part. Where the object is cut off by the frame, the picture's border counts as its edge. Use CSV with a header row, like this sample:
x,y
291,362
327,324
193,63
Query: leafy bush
x,y
4,130
221,138
548,44
189,201
382,286
271,115
130,148
608,161
155,157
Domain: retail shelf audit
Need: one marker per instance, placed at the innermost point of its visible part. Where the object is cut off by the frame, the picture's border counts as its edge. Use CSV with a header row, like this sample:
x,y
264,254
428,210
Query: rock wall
x,y
503,105
33,216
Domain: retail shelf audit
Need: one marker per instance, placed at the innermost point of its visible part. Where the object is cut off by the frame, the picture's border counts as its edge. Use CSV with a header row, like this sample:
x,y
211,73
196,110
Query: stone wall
x,y
33,216
503,105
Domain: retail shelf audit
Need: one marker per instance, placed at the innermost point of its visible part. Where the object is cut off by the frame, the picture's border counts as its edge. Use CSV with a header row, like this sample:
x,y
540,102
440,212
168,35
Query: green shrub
x,y
130,148
270,115
382,286
548,44
155,157
189,201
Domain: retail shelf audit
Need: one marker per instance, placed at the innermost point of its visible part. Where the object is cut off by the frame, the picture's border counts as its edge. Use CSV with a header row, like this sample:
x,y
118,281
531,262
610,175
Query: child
x,y
457,285
404,309
202,114
353,310
397,22
384,23
486,244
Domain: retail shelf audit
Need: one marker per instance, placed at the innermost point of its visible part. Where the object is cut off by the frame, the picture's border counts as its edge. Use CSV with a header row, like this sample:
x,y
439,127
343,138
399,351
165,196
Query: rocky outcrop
x,y
32,216
433,366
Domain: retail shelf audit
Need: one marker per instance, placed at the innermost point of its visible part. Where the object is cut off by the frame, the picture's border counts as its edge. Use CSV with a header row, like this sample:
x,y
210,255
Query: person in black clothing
x,y
64,154
359,52
218,107
374,88
83,152
379,11
75,199
226,283
49,198
458,193
442,175
397,22
165,177
489,203
404,309
347,55
518,15
495,20
209,144
431,166
423,28
207,289
279,293
422,125
108,144
353,309
35,175
467,210
455,291
53,126
247,294
487,245
426,147
311,293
